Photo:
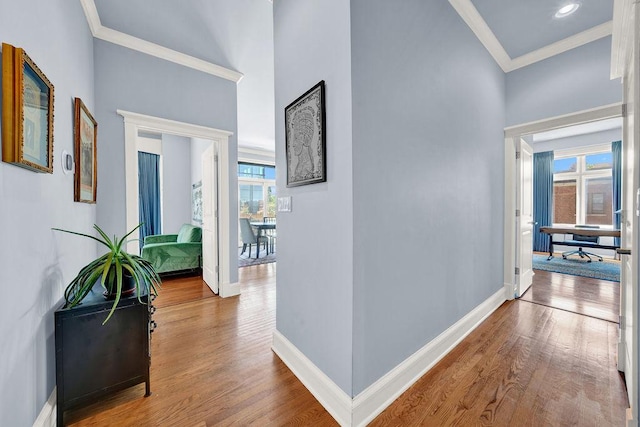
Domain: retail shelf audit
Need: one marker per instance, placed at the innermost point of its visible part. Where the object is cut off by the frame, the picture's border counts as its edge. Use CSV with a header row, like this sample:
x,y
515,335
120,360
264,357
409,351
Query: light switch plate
x,y
284,204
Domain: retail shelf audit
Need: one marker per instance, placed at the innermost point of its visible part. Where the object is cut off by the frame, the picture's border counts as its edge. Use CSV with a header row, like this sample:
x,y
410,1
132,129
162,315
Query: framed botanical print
x,y
85,137
306,138
27,112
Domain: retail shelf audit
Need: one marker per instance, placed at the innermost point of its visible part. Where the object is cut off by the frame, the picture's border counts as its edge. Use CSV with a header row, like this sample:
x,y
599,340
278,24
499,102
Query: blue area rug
x,y
245,261
603,270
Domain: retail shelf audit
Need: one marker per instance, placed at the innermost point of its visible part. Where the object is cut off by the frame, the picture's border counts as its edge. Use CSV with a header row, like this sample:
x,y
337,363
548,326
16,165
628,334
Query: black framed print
x,y
305,138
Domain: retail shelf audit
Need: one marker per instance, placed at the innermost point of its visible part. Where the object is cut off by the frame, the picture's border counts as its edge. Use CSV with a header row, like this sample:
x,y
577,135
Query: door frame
x,y
135,122
512,134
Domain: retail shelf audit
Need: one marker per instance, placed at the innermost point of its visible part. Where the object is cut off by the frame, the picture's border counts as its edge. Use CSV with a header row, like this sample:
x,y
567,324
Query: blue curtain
x,y
149,194
542,198
616,173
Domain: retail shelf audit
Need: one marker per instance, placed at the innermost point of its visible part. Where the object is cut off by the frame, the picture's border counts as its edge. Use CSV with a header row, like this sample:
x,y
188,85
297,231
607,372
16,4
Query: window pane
x,y
251,202
599,161
271,200
247,170
568,164
564,201
599,201
269,172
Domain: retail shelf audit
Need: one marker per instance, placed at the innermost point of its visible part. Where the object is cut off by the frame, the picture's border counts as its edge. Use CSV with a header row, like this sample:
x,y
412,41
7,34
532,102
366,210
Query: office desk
x,y
601,232
262,226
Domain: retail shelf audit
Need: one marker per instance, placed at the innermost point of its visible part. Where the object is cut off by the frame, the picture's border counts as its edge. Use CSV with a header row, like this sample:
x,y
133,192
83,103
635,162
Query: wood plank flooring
x,y
582,295
212,365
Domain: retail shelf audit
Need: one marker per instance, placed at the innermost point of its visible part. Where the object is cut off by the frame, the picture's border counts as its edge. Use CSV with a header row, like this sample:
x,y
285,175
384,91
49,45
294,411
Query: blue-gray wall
x,y
132,81
416,177
573,81
428,171
315,241
176,182
35,262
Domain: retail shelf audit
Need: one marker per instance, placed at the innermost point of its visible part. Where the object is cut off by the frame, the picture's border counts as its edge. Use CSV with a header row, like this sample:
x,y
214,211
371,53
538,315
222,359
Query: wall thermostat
x,y
67,162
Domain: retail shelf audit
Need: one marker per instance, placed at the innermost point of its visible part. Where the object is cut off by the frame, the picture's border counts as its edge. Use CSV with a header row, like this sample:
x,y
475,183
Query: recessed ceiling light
x,y
567,10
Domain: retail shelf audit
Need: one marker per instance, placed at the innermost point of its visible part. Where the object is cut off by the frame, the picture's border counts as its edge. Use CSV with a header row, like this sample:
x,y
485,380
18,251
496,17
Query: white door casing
x,y
625,63
512,135
209,219
524,218
133,124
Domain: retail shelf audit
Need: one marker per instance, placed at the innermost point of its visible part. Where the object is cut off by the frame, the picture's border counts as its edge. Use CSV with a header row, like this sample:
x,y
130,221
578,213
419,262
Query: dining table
x,y
261,227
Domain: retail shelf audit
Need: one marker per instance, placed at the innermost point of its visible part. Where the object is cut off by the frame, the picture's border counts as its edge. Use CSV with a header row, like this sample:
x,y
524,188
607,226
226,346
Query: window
x,y
249,170
583,187
256,191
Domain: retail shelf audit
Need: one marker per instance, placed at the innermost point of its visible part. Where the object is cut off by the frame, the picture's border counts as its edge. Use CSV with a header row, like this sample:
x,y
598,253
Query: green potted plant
x,y
119,272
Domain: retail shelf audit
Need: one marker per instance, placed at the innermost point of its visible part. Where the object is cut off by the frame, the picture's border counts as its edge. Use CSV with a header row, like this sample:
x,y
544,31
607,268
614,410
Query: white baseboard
x,y
47,416
377,397
509,291
229,289
332,397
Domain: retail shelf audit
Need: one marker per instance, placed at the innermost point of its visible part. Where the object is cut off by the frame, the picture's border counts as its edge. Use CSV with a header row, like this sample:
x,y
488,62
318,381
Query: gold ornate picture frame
x,y
85,137
27,112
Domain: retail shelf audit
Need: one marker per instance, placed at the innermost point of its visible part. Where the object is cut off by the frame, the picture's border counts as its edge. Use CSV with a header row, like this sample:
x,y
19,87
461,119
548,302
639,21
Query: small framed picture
x,y
27,112
305,138
85,138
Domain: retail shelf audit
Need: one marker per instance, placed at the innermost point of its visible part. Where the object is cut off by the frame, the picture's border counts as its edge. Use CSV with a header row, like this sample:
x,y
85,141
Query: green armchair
x,y
174,252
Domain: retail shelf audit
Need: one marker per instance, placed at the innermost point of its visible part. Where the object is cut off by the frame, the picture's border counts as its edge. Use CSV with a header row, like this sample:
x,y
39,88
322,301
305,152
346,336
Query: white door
x,y
628,343
209,218
524,217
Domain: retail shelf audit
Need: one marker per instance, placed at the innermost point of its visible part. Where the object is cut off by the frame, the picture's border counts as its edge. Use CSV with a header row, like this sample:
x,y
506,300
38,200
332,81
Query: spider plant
x,y
110,268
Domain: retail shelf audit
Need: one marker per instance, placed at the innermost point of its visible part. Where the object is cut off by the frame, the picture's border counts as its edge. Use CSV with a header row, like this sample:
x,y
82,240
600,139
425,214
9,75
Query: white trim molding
x,y
47,416
135,122
480,28
333,398
362,409
378,396
596,33
116,37
585,116
622,32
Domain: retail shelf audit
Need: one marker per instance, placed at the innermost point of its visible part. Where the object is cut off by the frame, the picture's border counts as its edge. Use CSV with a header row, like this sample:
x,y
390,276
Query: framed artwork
x,y
27,112
196,202
85,138
305,138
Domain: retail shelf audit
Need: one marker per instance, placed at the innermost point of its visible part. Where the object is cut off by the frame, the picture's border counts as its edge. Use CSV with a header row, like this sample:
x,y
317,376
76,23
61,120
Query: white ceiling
x,y
234,39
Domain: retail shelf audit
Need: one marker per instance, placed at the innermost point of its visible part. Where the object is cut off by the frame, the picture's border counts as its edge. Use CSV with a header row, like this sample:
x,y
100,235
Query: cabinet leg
x,y
147,389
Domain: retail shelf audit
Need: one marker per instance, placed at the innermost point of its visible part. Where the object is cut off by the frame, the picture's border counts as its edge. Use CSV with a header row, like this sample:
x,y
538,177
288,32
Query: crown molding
x,y
480,28
623,18
116,37
577,40
478,25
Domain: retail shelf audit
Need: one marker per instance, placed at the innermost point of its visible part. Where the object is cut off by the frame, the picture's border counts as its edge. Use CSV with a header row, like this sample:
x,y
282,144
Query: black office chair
x,y
578,240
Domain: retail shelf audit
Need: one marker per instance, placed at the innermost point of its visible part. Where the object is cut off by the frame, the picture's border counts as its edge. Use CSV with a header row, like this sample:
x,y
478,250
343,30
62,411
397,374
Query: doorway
x,y
626,344
514,135
222,261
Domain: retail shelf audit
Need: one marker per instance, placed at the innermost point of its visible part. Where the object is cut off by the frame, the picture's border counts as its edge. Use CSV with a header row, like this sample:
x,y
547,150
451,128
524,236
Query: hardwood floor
x,y
212,365
582,295
181,289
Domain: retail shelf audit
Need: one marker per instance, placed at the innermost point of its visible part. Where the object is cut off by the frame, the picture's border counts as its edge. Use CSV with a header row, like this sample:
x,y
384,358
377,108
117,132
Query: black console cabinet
x,y
92,359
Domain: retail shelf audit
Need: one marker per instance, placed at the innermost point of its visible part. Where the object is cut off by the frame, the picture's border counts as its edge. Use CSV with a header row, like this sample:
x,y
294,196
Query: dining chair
x,y
249,237
271,234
